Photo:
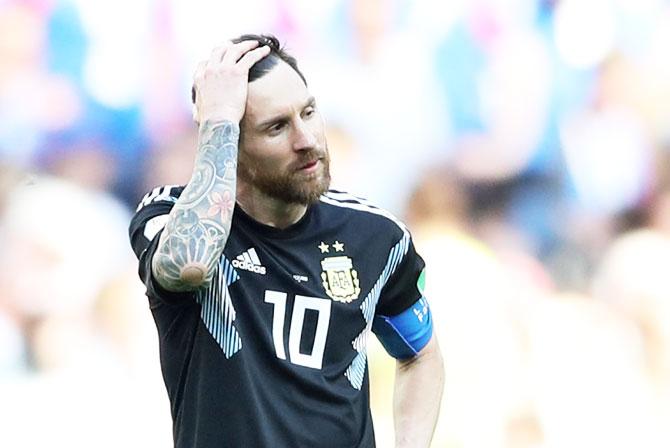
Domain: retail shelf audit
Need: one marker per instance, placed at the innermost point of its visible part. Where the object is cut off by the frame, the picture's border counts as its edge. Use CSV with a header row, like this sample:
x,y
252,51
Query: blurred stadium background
x,y
525,142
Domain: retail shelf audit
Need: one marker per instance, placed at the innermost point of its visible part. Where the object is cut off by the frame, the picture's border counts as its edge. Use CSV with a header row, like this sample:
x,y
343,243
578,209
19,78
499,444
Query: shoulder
x,y
162,193
361,212
151,215
158,202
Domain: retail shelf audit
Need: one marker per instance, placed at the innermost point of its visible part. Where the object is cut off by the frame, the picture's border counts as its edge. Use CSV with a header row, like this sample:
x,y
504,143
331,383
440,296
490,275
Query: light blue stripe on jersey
x,y
217,312
355,373
404,335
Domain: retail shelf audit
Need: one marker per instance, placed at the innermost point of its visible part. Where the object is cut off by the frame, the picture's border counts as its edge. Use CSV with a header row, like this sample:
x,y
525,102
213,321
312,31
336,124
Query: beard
x,y
290,186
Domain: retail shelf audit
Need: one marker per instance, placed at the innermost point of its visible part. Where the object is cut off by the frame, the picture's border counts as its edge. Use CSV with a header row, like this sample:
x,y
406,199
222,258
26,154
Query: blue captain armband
x,y
404,335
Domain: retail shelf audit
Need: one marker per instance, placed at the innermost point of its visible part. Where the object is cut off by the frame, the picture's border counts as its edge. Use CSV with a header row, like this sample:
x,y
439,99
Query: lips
x,y
309,165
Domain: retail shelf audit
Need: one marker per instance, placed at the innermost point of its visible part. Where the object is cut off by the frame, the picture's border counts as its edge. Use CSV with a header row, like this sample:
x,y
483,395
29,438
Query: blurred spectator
x,y
390,109
64,246
85,163
477,300
632,279
525,141
585,377
171,161
13,350
69,241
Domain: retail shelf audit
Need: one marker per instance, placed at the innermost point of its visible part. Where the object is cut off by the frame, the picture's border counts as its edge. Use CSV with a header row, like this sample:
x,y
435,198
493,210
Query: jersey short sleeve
x,y
402,288
403,322
144,231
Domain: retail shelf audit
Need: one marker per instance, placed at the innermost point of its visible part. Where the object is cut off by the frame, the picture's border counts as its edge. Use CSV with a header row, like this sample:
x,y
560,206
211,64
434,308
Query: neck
x,y
267,210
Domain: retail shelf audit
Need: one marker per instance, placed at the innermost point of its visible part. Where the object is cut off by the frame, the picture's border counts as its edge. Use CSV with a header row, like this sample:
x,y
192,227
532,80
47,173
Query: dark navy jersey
x,y
273,352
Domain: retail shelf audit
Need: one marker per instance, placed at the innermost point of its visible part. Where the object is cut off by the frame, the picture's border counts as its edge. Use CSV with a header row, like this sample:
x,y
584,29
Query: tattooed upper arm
x,y
199,224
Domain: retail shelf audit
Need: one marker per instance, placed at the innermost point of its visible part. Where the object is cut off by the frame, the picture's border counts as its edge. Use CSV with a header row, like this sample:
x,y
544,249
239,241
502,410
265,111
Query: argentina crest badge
x,y
340,279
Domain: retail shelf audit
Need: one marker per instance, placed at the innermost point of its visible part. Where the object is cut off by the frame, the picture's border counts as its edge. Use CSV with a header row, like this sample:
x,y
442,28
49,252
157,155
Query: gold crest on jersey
x,y
340,279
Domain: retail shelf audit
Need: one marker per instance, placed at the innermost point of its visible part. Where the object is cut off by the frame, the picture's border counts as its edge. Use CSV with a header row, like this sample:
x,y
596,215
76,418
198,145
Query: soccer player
x,y
264,285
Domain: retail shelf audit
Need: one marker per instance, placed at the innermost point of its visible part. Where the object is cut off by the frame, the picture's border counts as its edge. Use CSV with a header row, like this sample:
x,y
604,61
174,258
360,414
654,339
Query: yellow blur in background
x,y
525,143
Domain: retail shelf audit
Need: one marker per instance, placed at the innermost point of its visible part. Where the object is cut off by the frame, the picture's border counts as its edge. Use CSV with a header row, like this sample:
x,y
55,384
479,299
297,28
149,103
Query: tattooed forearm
x,y
199,224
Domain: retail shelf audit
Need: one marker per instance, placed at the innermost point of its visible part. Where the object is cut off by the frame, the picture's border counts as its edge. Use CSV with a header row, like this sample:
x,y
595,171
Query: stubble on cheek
x,y
286,183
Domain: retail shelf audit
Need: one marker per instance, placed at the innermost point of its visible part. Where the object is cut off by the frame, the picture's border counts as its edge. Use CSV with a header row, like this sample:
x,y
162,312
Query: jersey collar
x,y
273,232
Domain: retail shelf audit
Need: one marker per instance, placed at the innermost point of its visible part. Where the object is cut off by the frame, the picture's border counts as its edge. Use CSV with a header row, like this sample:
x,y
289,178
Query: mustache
x,y
309,157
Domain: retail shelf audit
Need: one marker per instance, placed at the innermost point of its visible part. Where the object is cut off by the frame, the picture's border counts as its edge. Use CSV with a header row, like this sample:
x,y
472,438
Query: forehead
x,y
277,92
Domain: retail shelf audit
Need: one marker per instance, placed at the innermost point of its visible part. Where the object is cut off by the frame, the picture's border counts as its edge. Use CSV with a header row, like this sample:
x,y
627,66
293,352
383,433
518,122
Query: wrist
x,y
219,114
207,126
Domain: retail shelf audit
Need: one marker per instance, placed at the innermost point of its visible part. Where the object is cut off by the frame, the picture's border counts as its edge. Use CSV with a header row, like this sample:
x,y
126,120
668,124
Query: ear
x,y
194,108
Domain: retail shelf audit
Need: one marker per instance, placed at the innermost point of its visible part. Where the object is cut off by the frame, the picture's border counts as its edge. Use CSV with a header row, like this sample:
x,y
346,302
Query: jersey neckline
x,y
270,231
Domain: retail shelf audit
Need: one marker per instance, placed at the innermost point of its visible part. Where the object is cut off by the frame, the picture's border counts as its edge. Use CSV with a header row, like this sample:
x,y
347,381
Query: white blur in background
x,y
525,143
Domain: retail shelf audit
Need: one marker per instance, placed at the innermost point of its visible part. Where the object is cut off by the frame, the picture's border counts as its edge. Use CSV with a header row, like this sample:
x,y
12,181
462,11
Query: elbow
x,y
430,354
190,276
195,275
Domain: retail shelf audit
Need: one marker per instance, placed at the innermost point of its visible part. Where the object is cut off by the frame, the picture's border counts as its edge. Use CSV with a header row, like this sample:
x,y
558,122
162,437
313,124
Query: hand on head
x,y
220,83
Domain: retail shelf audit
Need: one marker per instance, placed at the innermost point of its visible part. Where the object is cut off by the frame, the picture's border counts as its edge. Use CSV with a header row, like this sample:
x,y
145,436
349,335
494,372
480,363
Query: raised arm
x,y
199,224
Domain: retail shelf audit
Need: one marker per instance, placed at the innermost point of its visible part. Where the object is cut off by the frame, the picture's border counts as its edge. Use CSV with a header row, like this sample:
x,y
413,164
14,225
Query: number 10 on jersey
x,y
300,306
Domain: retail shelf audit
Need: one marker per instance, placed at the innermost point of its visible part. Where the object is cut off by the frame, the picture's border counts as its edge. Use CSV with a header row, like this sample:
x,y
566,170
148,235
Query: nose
x,y
304,137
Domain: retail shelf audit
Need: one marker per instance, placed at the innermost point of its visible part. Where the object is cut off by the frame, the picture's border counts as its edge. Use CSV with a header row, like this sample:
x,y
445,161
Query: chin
x,y
311,192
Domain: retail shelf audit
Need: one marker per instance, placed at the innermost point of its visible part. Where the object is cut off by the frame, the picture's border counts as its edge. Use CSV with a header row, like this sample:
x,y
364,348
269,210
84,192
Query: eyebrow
x,y
311,101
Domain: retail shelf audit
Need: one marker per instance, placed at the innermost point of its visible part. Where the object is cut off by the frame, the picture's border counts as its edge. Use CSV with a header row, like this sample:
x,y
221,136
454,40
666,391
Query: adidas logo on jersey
x,y
248,261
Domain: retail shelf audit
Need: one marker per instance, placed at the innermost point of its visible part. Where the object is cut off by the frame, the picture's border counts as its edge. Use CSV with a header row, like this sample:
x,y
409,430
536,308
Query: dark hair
x,y
262,67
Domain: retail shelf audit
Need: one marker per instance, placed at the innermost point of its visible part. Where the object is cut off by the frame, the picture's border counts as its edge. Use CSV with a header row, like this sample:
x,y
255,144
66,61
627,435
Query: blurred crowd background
x,y
525,142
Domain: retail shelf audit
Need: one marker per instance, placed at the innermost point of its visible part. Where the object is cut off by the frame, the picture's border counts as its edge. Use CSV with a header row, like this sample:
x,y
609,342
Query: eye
x,y
276,128
309,111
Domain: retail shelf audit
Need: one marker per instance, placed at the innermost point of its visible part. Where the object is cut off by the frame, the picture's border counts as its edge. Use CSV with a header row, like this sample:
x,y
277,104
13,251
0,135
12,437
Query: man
x,y
264,285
